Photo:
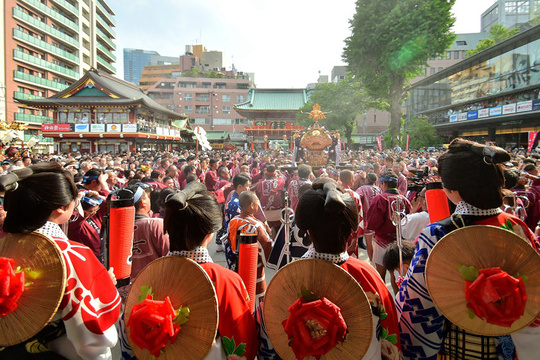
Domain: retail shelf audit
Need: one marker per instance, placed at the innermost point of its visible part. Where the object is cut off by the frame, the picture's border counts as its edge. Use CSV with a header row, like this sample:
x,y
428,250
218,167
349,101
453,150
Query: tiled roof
x,y
215,135
274,99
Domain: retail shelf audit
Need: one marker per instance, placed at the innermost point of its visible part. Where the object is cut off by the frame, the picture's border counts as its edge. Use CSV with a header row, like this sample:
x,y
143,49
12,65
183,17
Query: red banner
x,y
379,143
407,147
532,138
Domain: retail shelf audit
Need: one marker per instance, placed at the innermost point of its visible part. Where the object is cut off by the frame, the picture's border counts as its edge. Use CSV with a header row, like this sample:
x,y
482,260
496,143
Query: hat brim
x,y
483,247
40,300
186,284
323,279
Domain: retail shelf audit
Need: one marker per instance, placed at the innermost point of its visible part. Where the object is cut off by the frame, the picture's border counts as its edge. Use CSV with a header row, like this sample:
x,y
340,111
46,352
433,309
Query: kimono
x,y
88,311
236,326
385,342
426,333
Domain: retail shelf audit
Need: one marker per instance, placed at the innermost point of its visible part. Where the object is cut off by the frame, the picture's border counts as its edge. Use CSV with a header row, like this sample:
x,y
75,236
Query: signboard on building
x,y
494,111
462,116
100,128
453,117
56,127
536,104
129,128
472,115
509,108
114,127
482,113
523,106
82,128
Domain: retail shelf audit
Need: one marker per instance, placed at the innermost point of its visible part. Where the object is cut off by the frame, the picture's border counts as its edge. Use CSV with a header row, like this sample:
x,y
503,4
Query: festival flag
x,y
379,143
407,147
532,138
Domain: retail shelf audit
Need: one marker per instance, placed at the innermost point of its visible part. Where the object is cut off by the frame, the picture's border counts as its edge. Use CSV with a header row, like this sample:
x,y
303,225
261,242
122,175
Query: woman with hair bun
x,y
472,179
192,217
41,199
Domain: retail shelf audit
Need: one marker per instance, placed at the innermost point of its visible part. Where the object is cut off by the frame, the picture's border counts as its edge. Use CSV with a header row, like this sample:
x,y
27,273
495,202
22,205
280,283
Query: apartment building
x,y
49,45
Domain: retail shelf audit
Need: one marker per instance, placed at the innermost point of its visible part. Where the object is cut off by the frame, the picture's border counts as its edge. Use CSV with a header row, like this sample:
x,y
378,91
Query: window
x,y
188,97
202,109
523,7
461,43
431,71
206,85
226,98
223,121
510,7
188,109
220,86
463,54
184,84
456,54
240,98
439,69
226,110
202,97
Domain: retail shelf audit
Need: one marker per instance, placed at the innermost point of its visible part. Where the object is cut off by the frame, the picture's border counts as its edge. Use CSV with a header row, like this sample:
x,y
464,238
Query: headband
x,y
90,201
388,178
138,194
87,179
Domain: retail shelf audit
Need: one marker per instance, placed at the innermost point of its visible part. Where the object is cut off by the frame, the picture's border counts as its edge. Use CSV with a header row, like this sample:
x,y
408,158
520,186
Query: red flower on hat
x,y
11,286
496,296
314,328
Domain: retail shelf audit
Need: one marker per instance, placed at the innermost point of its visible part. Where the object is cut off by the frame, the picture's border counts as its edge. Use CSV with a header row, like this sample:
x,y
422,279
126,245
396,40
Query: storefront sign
x,y
100,128
453,117
509,109
462,116
472,115
536,104
482,113
56,127
82,128
524,106
494,111
129,128
114,128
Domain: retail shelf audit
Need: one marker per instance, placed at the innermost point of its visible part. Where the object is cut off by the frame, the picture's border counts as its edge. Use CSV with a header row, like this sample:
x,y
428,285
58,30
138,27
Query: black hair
x,y
511,178
304,171
190,215
191,178
391,255
86,205
30,205
188,169
246,198
474,171
240,179
329,213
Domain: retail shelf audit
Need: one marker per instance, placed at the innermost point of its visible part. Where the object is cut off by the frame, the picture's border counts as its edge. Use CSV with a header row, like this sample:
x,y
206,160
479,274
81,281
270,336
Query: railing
x,y
21,35
105,12
33,118
146,128
17,54
67,6
104,62
106,26
19,75
105,38
23,96
106,52
22,16
53,14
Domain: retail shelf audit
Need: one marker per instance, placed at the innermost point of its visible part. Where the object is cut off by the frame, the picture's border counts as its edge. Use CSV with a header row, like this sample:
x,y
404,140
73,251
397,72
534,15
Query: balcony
x,y
36,80
21,56
24,37
105,26
105,63
102,9
53,14
23,96
21,16
67,6
105,38
38,119
104,50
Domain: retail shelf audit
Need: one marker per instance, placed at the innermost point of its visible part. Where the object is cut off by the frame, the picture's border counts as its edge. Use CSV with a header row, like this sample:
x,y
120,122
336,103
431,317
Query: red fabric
x,y
379,218
211,179
149,243
269,192
235,317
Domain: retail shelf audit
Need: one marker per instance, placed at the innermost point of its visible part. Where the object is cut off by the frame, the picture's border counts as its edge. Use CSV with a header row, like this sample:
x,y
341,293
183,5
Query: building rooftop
x,y
274,99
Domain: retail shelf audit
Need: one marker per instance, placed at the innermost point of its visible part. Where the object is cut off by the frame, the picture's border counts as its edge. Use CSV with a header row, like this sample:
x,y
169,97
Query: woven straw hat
x,y
186,284
40,300
323,279
481,246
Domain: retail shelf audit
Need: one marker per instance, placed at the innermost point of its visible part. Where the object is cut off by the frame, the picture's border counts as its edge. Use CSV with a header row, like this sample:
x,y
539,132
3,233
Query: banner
x,y
407,146
532,138
379,143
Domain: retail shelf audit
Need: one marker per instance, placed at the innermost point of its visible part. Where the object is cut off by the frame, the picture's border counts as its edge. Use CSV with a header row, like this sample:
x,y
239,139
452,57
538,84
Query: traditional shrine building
x,y
101,113
273,115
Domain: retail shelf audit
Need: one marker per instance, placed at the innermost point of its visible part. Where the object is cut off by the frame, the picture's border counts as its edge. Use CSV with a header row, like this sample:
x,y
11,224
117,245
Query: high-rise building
x,y
510,13
49,45
136,59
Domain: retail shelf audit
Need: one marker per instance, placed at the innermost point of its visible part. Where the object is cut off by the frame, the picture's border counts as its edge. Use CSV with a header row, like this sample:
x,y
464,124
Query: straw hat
x,y
481,246
40,300
186,284
323,279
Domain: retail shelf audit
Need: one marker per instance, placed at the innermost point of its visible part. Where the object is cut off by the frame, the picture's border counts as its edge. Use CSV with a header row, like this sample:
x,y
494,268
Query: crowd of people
x,y
185,200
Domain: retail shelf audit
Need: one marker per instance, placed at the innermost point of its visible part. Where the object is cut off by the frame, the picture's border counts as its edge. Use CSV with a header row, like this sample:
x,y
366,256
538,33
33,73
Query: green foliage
x,y
341,102
497,34
391,40
421,134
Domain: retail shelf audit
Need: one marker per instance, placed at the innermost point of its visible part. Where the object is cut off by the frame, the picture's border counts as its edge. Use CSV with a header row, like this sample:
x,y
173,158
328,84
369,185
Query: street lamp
x,y
212,94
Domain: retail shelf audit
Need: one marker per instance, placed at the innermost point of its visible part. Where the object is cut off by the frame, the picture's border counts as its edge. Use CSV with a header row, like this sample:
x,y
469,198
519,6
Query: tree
x,y
390,42
497,34
342,102
421,134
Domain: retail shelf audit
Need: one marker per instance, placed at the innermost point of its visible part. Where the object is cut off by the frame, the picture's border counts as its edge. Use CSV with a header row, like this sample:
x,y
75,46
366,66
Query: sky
x,y
285,43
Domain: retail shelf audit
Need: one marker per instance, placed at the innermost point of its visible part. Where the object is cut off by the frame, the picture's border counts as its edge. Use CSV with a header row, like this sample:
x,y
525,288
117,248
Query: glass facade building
x,y
493,95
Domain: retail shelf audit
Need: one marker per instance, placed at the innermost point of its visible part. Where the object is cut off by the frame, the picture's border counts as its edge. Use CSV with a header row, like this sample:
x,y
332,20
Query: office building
x,y
136,59
49,45
510,13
